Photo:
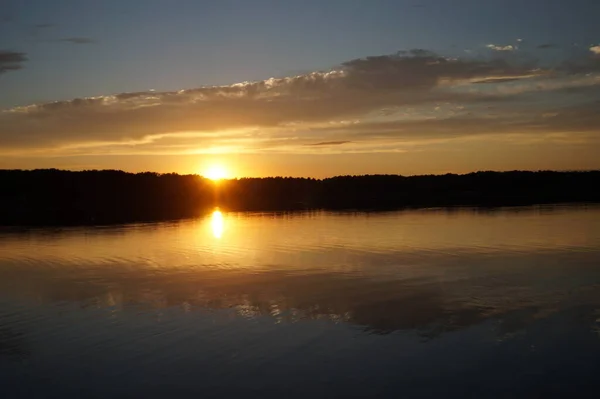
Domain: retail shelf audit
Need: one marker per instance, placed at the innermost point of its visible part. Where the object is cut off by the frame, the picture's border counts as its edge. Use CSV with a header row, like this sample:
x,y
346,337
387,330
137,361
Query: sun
x,y
215,172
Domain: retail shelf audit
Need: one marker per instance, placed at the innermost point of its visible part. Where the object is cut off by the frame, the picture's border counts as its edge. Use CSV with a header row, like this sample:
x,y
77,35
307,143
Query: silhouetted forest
x,y
56,197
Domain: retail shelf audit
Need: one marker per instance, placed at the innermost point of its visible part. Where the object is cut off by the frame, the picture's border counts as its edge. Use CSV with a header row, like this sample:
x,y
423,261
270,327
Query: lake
x,y
421,303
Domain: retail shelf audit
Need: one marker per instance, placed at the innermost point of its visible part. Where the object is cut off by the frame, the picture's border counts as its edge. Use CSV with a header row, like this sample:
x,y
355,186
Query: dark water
x,y
432,303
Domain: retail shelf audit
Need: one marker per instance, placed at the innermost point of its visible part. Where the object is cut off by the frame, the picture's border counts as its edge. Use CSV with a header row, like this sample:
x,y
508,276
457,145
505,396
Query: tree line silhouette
x,y
58,197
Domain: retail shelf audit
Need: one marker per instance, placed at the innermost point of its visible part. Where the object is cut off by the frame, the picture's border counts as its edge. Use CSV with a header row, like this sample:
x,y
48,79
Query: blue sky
x,y
78,49
165,45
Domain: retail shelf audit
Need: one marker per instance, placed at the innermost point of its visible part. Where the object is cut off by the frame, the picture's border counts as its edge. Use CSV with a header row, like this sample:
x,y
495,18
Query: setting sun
x,y
215,172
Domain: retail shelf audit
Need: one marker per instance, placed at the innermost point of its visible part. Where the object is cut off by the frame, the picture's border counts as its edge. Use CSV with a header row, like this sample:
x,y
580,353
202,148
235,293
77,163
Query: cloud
x,y
376,103
496,47
497,80
11,60
77,40
575,125
330,143
586,63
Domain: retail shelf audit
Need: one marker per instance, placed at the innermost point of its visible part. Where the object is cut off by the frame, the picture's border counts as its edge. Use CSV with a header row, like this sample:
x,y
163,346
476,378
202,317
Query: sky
x,y
300,88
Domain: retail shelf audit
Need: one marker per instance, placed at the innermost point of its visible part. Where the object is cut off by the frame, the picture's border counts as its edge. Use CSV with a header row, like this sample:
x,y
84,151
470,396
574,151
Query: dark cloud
x,y
11,60
77,40
547,46
423,70
581,65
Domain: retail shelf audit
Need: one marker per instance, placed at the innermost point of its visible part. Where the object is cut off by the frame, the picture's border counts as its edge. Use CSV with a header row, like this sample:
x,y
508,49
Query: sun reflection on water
x,y
217,224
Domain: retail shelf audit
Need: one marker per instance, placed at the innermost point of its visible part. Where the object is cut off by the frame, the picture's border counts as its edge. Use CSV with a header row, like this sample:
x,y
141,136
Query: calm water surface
x,y
430,303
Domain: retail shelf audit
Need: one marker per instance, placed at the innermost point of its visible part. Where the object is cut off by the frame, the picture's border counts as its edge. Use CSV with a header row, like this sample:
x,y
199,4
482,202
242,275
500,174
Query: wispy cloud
x,y
76,40
497,80
595,49
324,143
11,60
